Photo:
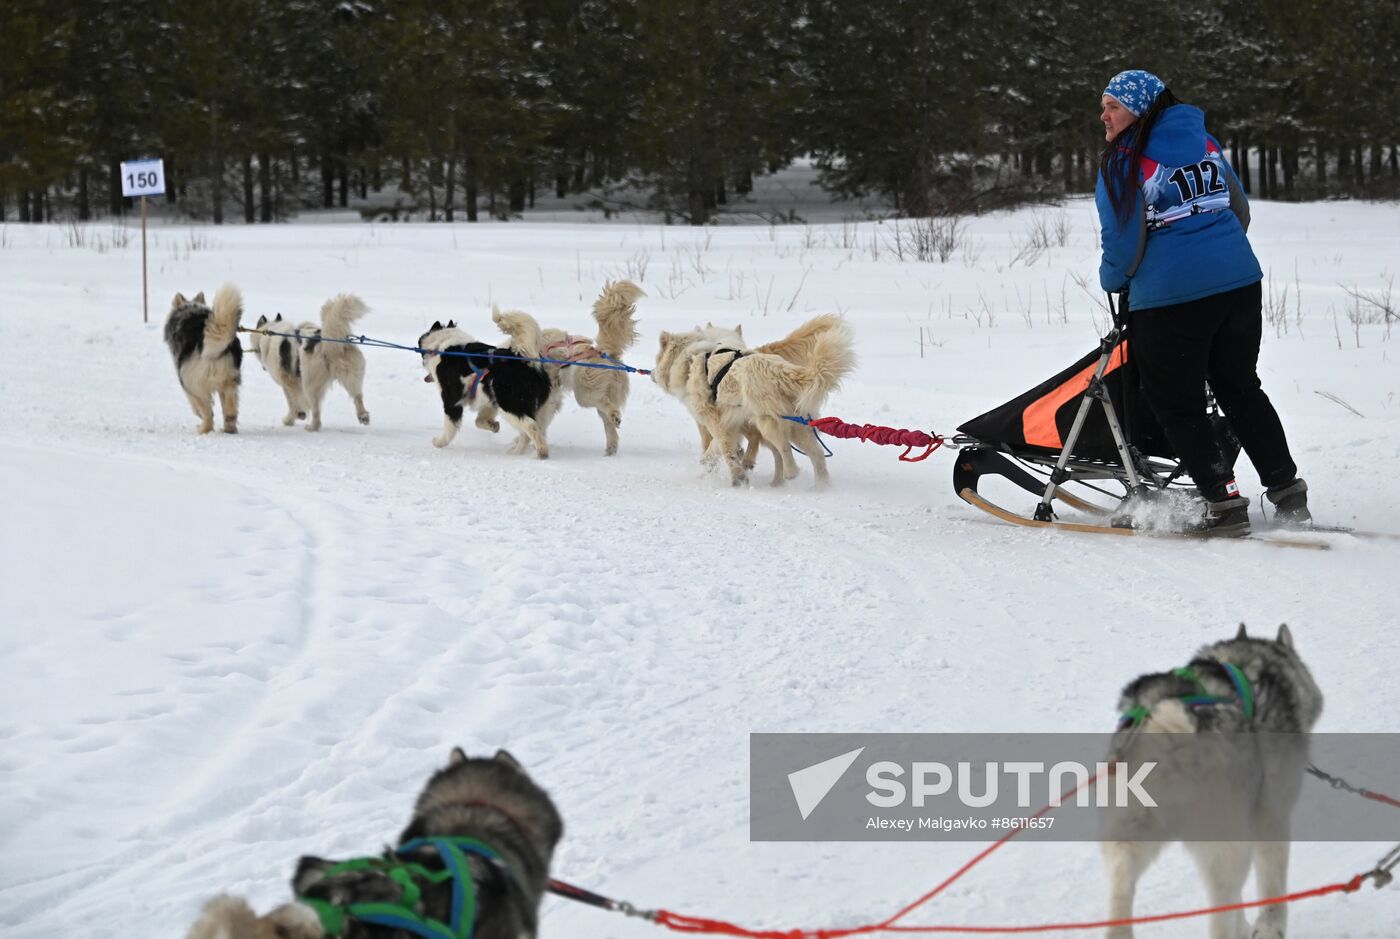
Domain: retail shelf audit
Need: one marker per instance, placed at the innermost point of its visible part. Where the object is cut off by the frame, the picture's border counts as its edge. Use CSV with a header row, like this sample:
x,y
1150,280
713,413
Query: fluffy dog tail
x,y
221,328
616,310
797,346
338,313
523,330
831,359
226,917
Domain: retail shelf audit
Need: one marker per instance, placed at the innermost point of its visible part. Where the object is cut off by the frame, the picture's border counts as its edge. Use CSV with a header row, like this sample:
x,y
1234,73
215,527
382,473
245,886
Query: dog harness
x,y
409,875
576,349
475,382
723,370
1244,695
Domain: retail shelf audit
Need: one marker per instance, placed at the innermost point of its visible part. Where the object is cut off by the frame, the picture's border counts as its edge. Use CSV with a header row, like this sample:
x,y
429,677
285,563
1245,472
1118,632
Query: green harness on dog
x,y
1244,693
409,875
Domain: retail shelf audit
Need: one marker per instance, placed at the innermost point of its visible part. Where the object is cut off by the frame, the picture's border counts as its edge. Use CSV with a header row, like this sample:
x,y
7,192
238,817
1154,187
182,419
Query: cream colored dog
x,y
728,390
601,389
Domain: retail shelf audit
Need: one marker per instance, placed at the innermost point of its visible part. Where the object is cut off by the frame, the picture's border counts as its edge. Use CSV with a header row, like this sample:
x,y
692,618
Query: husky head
x,y
436,338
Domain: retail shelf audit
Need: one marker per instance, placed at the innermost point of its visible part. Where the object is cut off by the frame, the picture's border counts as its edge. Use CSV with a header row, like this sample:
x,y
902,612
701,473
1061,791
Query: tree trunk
x,y
250,211
1242,169
1375,162
1290,164
295,161
327,182
22,200
1320,158
451,186
218,169
1360,171
470,193
515,193
743,185
344,175
265,185
114,187
721,197
174,184
1344,168
1394,161
430,176
561,185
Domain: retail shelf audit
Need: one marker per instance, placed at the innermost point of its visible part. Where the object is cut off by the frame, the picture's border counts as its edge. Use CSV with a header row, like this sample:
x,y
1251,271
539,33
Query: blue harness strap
x,y
1244,692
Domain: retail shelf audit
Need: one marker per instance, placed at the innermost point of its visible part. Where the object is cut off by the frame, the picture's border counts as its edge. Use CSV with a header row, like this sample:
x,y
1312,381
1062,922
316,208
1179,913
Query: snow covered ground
x,y
219,653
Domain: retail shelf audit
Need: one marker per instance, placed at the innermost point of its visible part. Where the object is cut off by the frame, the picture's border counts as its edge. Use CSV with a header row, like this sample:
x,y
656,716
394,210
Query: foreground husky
x,y
731,390
1230,691
601,389
304,366
488,379
203,341
490,800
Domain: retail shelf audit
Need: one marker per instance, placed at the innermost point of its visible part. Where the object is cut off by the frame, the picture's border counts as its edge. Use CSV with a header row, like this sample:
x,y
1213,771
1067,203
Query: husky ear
x,y
1242,634
451,324
1284,636
199,298
739,330
503,756
435,327
457,756
262,321
278,319
310,871
179,300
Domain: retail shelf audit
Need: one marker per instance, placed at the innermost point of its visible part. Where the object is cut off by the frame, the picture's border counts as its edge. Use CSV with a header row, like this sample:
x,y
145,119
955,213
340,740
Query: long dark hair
x,y
1122,157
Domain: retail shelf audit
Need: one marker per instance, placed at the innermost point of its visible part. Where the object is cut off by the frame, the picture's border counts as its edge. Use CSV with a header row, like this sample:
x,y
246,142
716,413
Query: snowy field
x,y
222,652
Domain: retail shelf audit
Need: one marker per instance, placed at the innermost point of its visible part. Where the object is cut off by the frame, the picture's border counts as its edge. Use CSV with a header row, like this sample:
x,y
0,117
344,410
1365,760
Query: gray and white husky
x,y
203,341
490,800
303,365
1248,705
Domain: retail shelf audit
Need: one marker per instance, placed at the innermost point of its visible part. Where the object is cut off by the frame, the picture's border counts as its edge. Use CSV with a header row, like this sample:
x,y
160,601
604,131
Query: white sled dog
x,y
482,830
1217,782
304,365
203,341
601,389
733,391
490,379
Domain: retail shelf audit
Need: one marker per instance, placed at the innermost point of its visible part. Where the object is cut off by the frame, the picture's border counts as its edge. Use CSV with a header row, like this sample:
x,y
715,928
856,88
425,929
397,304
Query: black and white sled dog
x,y
601,389
489,379
1227,777
203,341
493,801
304,366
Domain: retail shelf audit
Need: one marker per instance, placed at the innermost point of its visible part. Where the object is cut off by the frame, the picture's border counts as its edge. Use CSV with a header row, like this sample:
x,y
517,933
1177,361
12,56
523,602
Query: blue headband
x,y
1135,90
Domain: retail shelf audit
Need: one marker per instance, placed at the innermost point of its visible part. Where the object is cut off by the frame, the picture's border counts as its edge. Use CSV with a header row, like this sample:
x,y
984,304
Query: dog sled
x,y
1085,440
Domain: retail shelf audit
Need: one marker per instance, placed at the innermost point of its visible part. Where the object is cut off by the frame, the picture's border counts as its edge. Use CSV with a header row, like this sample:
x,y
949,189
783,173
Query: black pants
x,y
1177,350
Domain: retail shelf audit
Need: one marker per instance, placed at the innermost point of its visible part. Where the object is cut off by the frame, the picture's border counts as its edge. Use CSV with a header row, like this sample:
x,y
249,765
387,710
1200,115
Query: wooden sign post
x,y
143,178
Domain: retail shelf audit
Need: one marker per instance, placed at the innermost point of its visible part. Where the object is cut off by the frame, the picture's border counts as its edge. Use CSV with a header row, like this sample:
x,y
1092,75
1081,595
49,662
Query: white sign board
x,y
143,177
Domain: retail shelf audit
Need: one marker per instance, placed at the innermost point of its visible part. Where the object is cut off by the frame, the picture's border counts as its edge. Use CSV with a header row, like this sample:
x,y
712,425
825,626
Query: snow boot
x,y
1228,517
1291,503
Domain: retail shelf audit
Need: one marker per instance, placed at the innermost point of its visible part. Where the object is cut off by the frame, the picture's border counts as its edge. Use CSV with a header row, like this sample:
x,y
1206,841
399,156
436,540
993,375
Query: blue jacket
x,y
1186,236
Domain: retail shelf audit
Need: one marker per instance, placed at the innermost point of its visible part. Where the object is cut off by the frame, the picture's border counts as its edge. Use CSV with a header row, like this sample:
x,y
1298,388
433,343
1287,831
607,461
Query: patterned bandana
x,y
1135,90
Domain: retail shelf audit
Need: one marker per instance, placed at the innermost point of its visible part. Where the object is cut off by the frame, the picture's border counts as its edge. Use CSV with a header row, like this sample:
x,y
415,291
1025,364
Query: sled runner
x,y
1087,427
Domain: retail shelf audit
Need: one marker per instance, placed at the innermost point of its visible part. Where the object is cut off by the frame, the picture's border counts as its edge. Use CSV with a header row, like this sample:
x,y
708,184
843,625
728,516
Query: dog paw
x,y
314,426
301,415
205,428
543,454
289,420
364,418
1267,930
610,451
440,442
230,428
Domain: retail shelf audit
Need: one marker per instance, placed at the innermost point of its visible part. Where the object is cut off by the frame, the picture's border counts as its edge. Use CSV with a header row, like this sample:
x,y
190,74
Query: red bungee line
x,y
885,436
679,922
